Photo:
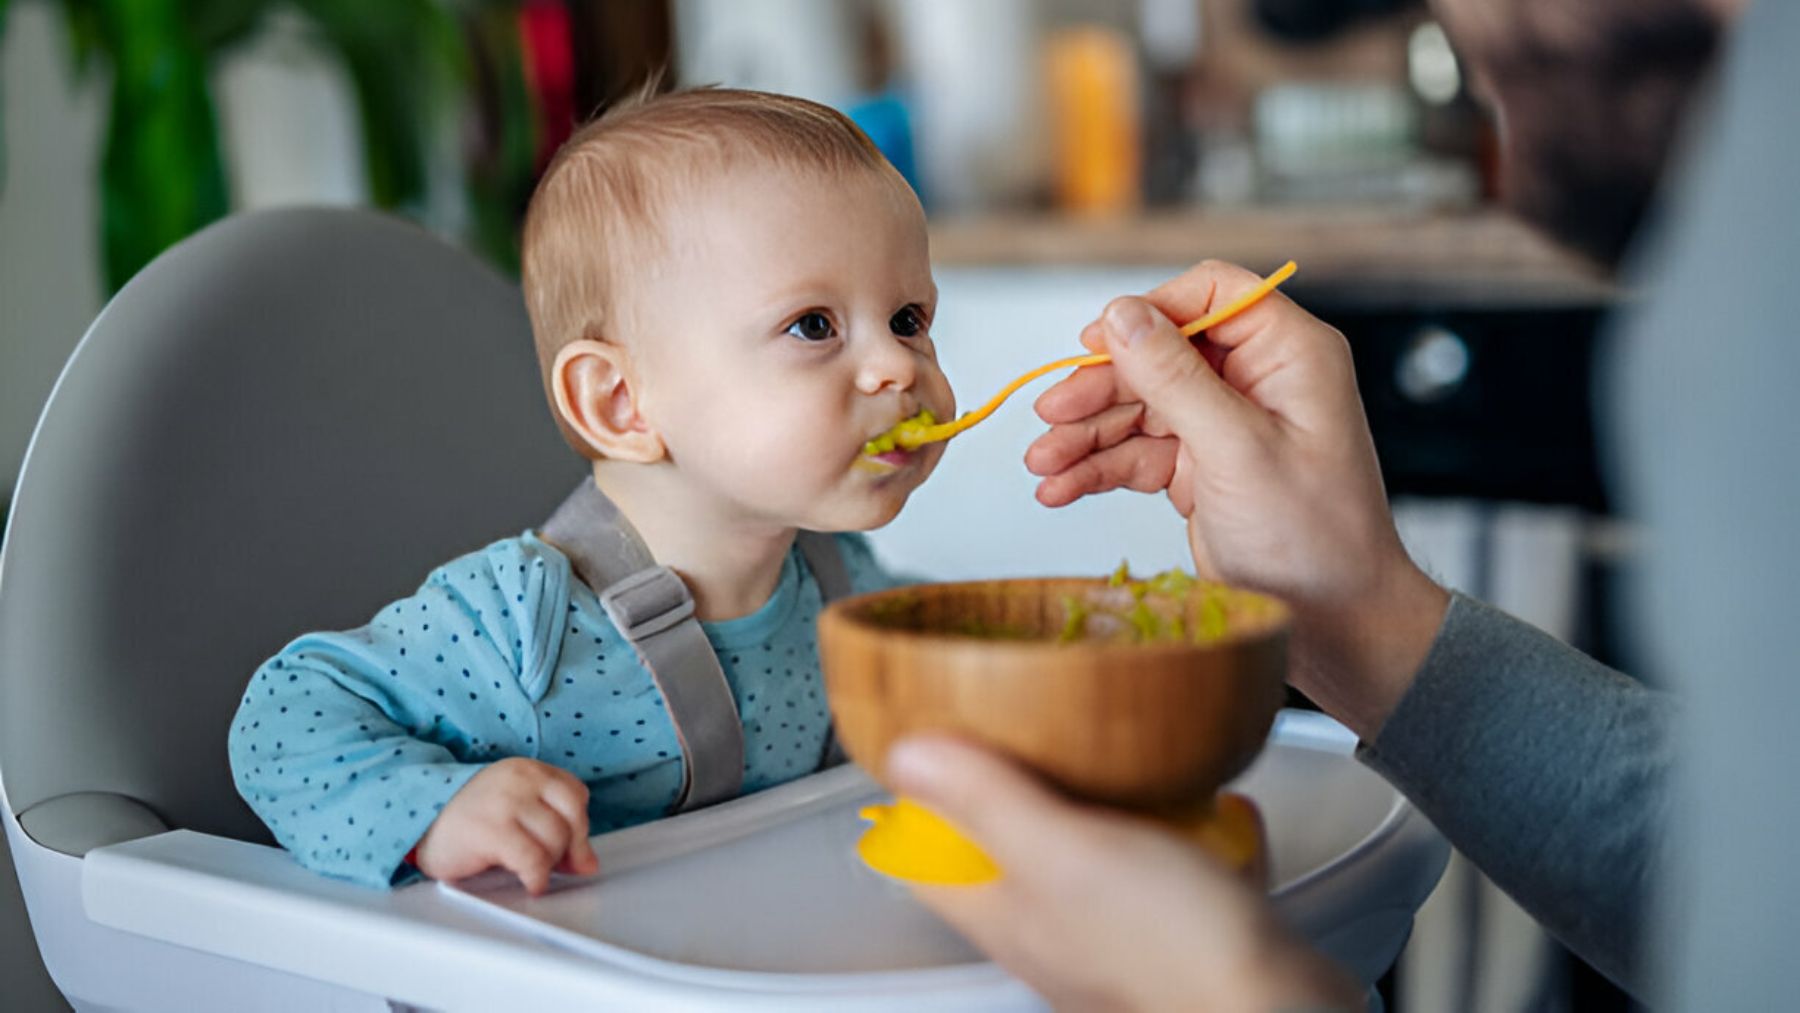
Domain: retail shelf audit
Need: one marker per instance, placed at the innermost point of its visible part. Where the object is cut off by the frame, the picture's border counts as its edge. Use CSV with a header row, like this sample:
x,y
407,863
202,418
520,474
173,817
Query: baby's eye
x,y
812,327
908,323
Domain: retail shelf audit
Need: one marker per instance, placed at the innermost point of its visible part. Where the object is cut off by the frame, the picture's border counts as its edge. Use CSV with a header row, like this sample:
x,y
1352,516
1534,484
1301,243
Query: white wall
x,y
49,228
49,289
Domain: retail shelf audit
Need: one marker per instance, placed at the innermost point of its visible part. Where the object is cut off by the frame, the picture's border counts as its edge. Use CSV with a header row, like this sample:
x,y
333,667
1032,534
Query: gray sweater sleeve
x,y
1547,769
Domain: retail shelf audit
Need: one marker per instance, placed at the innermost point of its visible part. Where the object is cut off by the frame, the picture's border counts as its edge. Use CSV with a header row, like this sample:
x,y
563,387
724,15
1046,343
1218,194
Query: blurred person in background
x,y
1556,775
1590,99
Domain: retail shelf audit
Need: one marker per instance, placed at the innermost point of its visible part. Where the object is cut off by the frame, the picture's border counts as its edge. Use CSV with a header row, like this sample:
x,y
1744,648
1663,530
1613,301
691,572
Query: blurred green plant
x,y
409,62
502,158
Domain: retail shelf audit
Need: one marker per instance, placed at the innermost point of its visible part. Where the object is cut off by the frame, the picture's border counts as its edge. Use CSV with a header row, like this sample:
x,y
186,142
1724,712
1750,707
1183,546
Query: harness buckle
x,y
647,603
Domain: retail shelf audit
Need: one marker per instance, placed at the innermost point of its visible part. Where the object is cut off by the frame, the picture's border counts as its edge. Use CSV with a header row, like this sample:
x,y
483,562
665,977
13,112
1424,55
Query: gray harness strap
x,y
653,609
827,565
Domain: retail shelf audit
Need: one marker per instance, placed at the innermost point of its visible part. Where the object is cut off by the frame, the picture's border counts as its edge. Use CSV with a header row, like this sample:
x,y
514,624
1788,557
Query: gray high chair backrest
x,y
279,425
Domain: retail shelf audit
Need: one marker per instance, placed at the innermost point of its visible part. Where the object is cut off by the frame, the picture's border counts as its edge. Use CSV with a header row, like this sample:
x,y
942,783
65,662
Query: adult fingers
x,y
1163,368
1142,464
1069,442
1091,390
1181,487
1207,286
1087,391
1275,353
1005,810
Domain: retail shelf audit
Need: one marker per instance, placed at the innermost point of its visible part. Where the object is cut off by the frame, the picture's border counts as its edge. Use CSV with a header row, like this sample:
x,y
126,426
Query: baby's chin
x,y
864,516
874,507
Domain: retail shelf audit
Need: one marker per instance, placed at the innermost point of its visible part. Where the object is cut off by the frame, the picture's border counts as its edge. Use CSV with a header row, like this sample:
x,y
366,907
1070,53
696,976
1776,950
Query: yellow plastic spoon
x,y
910,434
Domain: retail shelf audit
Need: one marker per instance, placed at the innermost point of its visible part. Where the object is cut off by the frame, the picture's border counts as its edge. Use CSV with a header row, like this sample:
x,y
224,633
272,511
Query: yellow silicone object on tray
x,y
910,842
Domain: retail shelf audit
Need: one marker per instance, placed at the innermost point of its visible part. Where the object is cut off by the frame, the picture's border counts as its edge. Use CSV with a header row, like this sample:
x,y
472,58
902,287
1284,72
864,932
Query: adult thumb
x,y
1005,810
1164,370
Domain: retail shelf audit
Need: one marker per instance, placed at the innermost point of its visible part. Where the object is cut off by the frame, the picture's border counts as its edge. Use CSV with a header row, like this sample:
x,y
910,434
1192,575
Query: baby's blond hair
x,y
599,201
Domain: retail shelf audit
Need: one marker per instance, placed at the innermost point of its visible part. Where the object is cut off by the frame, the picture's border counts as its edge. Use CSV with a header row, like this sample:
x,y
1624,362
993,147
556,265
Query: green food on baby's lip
x,y
892,439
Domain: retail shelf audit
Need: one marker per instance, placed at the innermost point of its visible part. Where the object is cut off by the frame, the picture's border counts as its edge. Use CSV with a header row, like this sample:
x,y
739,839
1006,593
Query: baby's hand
x,y
519,814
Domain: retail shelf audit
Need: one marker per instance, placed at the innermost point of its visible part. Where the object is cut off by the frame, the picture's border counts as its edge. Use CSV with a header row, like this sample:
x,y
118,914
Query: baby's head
x,y
733,290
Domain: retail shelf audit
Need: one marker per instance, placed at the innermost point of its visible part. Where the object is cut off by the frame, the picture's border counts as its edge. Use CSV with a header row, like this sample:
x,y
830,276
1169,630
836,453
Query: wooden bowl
x,y
1149,725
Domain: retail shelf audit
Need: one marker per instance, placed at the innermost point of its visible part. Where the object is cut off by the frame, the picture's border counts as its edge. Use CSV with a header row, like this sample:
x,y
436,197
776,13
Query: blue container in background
x,y
885,118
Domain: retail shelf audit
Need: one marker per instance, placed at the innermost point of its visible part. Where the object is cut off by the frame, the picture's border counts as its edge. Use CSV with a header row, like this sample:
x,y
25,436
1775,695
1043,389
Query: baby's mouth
x,y
902,439
887,460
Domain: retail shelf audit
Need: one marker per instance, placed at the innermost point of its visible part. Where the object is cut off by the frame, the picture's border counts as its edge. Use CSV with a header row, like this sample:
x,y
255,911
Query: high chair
x,y
280,425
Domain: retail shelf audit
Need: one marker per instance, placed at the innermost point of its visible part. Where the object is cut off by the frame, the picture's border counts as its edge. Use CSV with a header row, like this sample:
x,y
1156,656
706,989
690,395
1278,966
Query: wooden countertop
x,y
1483,256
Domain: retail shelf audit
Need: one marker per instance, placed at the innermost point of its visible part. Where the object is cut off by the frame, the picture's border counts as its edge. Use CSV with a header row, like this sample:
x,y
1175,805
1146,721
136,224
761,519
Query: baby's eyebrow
x,y
791,304
928,298
802,295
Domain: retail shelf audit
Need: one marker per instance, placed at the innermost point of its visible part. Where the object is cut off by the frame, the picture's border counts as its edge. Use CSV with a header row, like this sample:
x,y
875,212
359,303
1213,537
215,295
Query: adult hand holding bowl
x,y
1117,692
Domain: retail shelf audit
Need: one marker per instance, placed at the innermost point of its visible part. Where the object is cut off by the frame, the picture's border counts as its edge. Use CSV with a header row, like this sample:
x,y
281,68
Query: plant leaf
x,y
503,157
219,24
162,177
399,55
83,17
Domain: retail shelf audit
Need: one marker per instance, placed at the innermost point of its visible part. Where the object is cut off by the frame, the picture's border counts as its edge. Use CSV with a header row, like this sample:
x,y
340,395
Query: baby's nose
x,y
887,363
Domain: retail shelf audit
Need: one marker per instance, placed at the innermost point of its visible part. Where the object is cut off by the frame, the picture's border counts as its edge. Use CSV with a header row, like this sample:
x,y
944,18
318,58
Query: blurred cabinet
x,y
1487,403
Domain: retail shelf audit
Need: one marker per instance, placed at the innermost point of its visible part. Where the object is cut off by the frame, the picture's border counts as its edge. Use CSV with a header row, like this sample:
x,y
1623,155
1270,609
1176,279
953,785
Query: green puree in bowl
x,y
1140,623
1154,610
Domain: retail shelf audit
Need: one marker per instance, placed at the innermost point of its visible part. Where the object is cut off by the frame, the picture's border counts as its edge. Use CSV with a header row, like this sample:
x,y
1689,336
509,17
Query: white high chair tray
x,y
771,884
760,902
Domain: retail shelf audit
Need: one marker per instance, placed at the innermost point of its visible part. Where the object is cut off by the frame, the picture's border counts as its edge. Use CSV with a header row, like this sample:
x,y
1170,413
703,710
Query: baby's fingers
x,y
581,860
527,857
569,799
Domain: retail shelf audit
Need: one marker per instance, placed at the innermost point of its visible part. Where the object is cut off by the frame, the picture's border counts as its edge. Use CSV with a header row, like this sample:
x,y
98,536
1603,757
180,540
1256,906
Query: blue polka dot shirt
x,y
348,744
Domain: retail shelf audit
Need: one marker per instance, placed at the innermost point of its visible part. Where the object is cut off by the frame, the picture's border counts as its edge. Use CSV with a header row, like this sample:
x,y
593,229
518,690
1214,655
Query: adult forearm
x,y
1548,769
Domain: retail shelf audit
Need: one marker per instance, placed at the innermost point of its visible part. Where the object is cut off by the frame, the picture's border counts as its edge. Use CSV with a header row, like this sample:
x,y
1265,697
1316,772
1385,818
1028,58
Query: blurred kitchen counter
x,y
1484,257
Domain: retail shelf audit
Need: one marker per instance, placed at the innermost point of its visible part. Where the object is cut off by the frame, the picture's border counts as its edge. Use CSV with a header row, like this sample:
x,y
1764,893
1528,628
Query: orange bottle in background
x,y
1094,110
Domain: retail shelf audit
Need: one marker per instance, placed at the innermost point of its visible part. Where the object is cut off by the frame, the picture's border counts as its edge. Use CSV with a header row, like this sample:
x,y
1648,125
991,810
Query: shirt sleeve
x,y
348,744
1548,769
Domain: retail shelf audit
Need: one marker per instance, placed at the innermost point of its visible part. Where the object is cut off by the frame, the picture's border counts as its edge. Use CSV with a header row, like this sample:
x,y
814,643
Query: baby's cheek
x,y
944,395
786,461
934,455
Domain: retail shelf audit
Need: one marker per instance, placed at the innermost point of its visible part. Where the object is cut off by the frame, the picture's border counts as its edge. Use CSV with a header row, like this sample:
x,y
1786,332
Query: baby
x,y
730,294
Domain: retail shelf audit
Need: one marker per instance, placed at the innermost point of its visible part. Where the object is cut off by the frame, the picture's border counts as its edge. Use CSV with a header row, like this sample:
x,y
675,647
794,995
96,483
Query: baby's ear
x,y
595,389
